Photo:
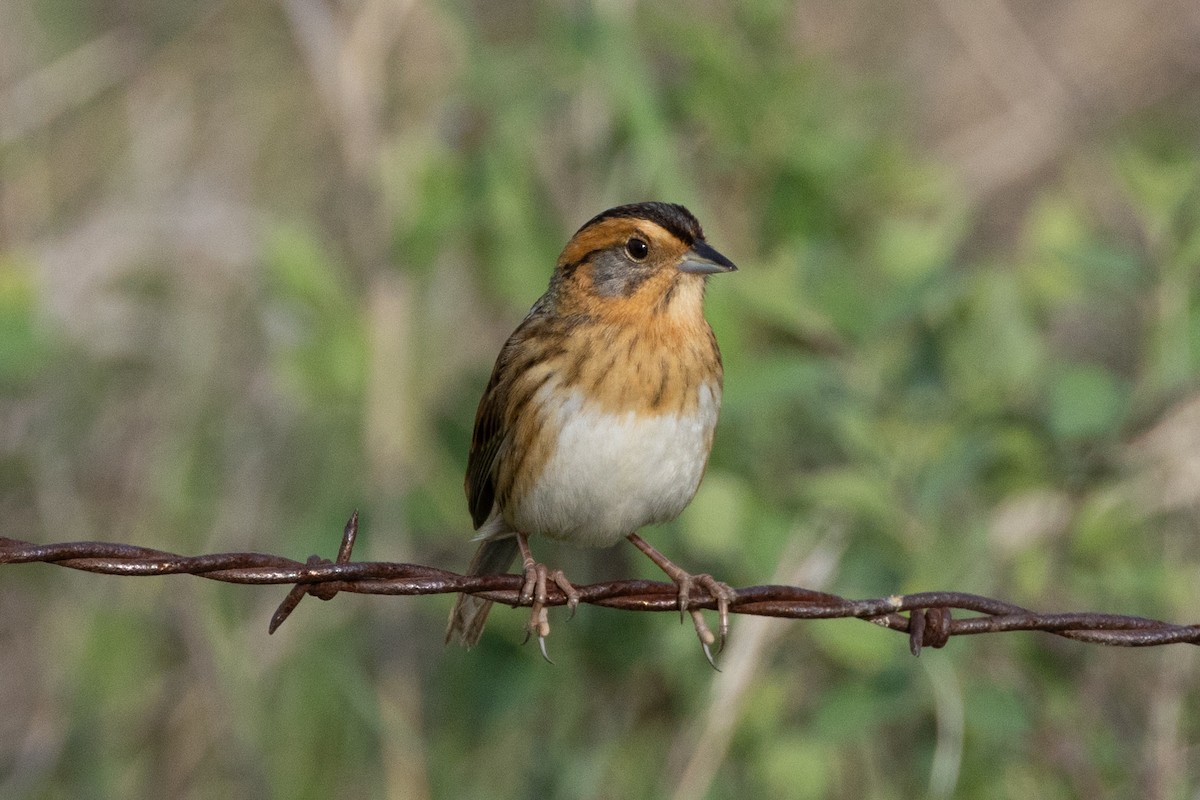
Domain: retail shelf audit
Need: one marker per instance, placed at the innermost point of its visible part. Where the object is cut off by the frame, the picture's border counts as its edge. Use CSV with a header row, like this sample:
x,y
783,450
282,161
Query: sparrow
x,y
599,415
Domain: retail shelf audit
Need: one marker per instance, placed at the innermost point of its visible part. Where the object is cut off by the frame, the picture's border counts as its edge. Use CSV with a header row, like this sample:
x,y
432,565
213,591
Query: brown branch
x,y
929,622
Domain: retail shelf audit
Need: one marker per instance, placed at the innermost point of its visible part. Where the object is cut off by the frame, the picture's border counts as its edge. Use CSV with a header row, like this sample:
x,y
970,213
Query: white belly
x,y
613,473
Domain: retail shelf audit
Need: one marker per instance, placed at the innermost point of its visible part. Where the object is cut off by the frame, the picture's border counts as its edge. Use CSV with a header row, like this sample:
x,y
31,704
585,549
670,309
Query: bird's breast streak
x,y
610,473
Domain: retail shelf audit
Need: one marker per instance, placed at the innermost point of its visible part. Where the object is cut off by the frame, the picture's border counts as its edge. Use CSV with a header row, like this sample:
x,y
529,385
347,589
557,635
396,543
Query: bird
x,y
599,414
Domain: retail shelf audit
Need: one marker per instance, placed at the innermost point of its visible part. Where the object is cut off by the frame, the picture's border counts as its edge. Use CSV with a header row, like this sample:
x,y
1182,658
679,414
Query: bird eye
x,y
637,248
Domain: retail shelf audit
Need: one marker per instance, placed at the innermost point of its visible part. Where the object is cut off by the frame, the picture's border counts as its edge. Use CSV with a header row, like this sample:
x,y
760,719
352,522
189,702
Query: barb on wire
x,y
929,621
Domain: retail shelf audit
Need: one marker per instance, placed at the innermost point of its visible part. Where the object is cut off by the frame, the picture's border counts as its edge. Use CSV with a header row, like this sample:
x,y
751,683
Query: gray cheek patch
x,y
613,274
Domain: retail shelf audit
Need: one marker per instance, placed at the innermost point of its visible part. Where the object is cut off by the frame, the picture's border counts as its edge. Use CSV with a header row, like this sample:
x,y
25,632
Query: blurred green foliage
x,y
242,293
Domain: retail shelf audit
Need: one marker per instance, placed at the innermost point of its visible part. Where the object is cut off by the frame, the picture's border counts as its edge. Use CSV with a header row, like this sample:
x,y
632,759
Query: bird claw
x,y
706,637
534,593
719,591
534,588
684,583
722,594
708,654
539,625
564,585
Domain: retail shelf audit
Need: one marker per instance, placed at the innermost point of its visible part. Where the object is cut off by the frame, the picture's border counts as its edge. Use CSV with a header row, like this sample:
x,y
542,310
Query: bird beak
x,y
703,259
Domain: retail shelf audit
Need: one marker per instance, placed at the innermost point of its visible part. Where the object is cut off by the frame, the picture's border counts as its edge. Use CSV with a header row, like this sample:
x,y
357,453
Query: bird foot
x,y
534,593
721,593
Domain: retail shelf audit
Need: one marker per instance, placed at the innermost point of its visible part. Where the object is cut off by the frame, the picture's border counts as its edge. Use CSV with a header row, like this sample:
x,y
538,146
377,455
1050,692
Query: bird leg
x,y
534,592
722,593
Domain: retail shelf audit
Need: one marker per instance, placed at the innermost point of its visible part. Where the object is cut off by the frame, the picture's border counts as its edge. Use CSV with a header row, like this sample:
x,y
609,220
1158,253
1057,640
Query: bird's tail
x,y
494,557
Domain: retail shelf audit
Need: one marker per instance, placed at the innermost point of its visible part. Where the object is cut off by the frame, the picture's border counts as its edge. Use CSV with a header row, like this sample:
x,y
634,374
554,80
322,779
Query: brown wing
x,y
491,423
485,445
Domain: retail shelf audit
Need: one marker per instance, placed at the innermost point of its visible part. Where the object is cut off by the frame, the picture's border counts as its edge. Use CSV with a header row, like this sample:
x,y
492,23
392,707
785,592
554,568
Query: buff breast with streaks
x,y
599,415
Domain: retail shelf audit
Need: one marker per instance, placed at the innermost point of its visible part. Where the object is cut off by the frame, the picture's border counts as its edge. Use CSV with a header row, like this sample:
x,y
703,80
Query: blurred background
x,y
256,260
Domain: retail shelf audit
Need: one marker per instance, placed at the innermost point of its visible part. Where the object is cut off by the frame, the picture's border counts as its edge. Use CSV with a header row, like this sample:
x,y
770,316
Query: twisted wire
x,y
927,617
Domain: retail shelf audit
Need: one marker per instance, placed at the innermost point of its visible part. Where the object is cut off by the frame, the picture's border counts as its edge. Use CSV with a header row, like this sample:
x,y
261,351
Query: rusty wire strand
x,y
929,622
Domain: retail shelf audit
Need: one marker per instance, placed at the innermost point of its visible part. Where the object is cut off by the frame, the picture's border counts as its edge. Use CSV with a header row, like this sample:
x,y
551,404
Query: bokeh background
x,y
256,259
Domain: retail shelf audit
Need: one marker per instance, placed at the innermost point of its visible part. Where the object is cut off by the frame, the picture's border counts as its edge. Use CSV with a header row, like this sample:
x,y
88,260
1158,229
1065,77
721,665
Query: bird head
x,y
634,256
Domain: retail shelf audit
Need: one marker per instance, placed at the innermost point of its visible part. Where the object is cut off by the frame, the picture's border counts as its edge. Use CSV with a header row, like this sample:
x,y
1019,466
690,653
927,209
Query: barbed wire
x,y
927,617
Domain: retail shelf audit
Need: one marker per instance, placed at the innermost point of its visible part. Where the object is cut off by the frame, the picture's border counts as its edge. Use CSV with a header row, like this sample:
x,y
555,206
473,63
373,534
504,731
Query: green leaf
x,y
1086,401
